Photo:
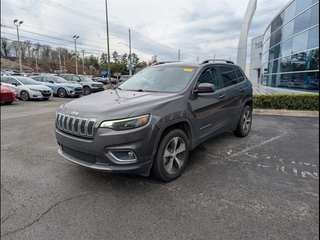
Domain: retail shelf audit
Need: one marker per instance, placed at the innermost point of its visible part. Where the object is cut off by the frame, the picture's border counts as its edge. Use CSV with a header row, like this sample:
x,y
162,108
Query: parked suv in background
x,y
150,122
88,85
60,86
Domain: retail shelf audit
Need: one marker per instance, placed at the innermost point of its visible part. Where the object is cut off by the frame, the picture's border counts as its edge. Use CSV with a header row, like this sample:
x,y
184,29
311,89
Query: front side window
x,y
58,79
229,77
4,79
46,79
13,81
210,75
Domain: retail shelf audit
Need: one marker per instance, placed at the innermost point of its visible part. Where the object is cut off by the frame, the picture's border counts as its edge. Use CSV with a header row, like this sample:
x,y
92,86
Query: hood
x,y
69,85
6,89
115,104
38,87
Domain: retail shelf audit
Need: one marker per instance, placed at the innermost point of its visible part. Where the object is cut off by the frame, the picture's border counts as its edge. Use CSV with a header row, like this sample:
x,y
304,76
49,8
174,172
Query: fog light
x,y
122,156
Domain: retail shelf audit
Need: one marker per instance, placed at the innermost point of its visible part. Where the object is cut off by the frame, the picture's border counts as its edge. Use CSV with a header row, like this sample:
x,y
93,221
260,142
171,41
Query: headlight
x,y
127,123
35,90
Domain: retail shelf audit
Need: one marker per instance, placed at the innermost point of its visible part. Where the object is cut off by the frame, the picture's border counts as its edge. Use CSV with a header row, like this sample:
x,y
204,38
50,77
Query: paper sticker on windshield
x,y
188,69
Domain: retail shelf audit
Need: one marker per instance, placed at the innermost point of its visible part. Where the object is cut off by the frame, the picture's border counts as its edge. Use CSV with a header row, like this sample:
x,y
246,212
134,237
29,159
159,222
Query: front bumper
x,y
97,89
41,95
98,153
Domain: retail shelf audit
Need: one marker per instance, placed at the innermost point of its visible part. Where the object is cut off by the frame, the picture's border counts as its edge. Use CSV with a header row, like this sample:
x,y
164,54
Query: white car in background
x,y
27,88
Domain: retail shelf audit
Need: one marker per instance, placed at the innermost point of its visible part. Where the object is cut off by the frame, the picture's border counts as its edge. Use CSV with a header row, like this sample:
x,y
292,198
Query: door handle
x,y
241,90
222,96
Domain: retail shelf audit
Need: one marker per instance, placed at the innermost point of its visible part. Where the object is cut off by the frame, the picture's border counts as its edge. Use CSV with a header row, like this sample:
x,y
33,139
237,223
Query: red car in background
x,y
8,95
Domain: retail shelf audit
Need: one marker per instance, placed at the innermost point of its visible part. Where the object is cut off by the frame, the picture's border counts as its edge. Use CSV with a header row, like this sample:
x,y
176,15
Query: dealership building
x,y
287,54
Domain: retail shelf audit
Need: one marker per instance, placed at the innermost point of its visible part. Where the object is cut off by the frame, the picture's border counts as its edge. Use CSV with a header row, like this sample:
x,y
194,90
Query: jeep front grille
x,y
75,125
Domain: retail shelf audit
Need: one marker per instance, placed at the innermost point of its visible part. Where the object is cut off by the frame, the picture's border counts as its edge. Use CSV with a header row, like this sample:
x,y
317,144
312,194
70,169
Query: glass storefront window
x,y
288,30
286,47
302,22
266,47
266,35
275,38
313,60
314,15
289,12
300,42
313,38
298,61
302,5
276,24
285,64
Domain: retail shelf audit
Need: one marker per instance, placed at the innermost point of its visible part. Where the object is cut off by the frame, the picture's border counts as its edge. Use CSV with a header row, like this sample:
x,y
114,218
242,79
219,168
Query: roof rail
x,y
215,60
163,62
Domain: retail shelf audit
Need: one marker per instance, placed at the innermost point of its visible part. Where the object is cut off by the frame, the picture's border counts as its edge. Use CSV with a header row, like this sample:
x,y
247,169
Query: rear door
x,y
209,108
234,90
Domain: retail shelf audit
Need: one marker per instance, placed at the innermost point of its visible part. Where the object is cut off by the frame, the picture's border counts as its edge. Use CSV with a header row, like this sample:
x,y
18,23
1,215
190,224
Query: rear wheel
x,y
172,156
62,93
245,122
86,90
24,96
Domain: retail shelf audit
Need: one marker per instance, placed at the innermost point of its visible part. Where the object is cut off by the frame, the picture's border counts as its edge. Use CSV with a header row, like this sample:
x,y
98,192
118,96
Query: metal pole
x,y
36,65
130,61
75,50
109,72
64,63
60,61
19,50
82,61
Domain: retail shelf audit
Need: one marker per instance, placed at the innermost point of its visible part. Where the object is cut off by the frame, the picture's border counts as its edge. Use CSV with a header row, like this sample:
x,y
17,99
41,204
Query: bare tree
x,y
5,47
15,46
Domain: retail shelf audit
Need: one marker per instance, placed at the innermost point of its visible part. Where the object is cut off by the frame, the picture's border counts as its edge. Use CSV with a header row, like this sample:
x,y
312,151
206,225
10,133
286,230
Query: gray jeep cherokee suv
x,y
150,122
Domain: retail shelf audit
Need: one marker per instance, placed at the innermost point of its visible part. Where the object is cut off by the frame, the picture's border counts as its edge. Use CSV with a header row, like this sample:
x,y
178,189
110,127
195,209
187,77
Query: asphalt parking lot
x,y
264,186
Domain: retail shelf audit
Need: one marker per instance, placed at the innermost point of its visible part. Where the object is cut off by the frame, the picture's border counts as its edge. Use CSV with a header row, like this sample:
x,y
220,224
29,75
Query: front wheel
x,y
172,156
62,92
24,96
245,122
86,90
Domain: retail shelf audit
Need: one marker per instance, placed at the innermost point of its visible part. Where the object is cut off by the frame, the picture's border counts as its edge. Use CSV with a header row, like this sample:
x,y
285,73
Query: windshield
x,y
28,81
59,79
85,79
160,79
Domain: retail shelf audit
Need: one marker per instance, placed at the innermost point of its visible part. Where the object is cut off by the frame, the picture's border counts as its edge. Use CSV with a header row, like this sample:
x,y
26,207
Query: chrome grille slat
x,y
75,125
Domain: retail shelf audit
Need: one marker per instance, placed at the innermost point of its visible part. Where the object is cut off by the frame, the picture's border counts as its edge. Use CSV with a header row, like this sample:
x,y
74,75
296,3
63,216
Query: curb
x,y
293,113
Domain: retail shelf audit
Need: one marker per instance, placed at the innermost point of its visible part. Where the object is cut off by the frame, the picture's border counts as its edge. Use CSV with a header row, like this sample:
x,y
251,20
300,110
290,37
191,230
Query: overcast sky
x,y
198,28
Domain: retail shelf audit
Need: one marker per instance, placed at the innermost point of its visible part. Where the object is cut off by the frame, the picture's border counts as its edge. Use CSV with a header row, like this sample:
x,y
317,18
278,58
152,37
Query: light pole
x,y
75,50
82,61
130,70
18,23
36,57
130,67
108,48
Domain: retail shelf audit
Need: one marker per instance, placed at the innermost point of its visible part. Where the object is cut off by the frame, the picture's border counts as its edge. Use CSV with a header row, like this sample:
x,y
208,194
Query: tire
x,y
62,93
245,122
24,96
86,90
169,163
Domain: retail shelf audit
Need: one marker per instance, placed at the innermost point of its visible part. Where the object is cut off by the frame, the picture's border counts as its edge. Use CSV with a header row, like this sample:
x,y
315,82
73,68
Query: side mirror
x,y
205,88
51,81
15,84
